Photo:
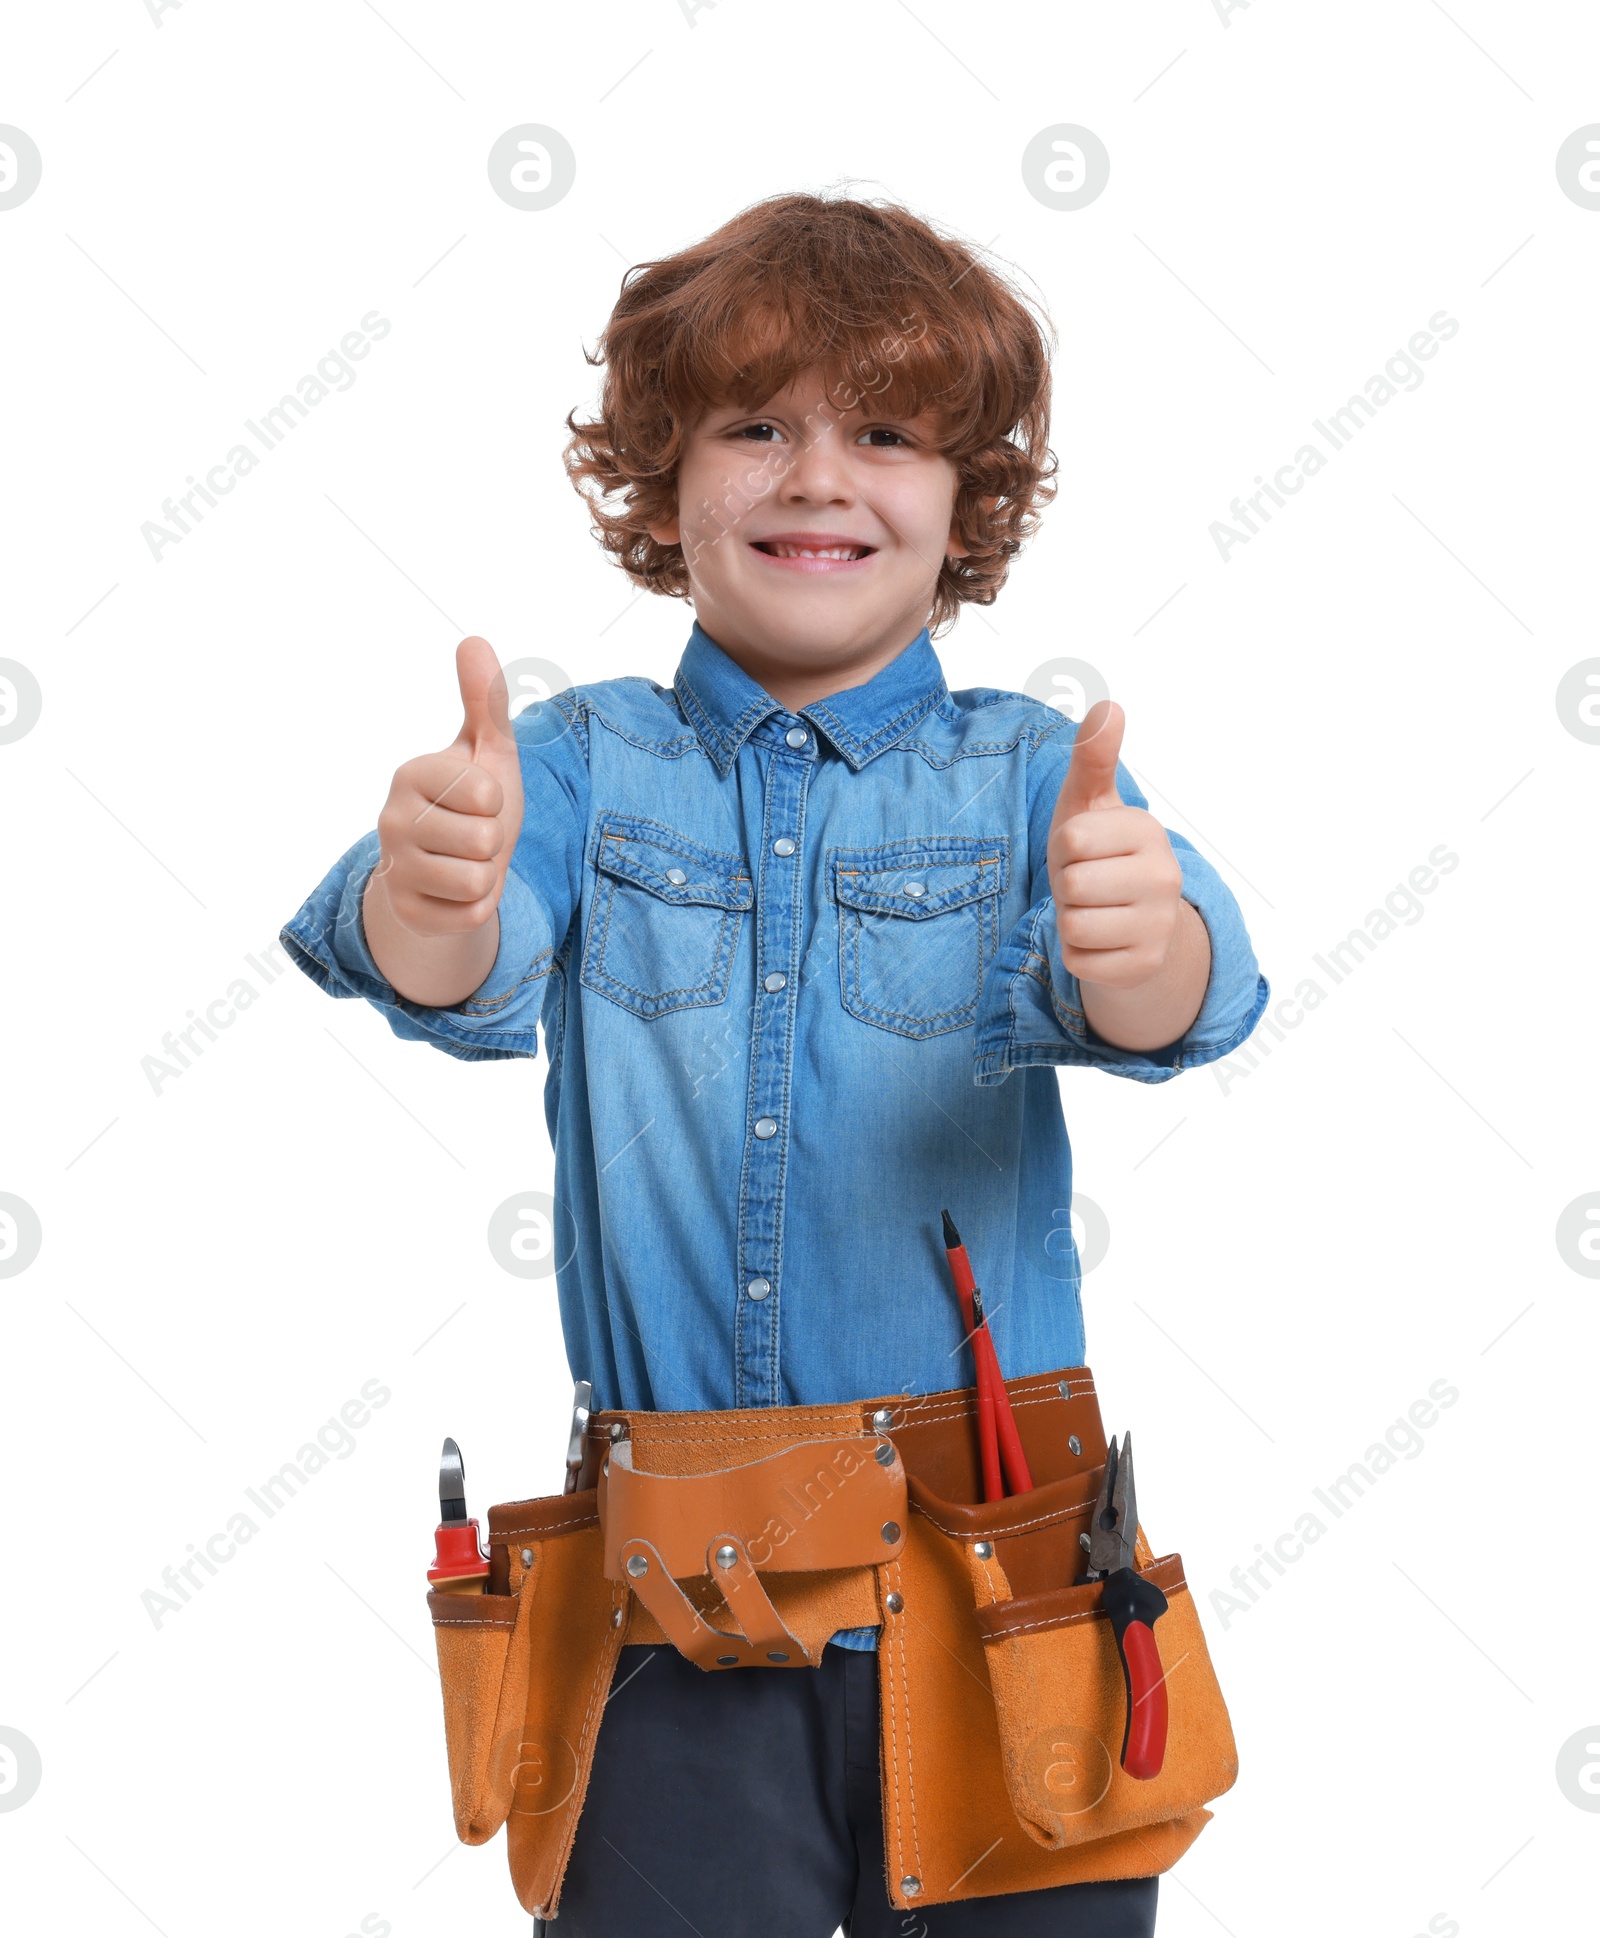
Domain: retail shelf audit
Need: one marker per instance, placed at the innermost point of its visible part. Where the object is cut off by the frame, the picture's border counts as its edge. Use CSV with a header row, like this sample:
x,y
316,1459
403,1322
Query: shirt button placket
x,y
779,892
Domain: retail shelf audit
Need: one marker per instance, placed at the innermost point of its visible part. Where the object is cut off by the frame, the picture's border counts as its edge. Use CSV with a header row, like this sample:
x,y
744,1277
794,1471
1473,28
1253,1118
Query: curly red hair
x,y
866,292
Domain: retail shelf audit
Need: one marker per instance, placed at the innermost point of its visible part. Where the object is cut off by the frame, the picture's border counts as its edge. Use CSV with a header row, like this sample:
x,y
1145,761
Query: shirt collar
x,y
725,706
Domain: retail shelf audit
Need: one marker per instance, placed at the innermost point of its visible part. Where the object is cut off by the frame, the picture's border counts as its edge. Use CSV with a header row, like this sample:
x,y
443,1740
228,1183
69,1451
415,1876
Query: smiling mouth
x,y
829,554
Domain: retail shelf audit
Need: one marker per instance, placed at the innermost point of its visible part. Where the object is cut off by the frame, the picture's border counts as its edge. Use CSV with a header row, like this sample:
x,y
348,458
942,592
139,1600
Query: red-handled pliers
x,y
1134,1604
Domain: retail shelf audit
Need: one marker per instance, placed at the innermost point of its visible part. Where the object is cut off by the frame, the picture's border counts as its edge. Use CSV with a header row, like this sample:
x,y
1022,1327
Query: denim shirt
x,y
799,986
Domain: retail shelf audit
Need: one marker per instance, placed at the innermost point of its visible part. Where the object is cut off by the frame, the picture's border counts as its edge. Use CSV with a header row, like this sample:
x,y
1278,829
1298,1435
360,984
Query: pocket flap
x,y
919,878
670,865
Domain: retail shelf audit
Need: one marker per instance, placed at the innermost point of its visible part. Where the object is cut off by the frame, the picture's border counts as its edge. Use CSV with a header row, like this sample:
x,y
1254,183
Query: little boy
x,y
805,933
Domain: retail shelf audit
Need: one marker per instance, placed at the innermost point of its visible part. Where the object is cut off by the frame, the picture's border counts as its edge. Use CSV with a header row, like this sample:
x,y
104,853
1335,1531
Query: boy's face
x,y
813,536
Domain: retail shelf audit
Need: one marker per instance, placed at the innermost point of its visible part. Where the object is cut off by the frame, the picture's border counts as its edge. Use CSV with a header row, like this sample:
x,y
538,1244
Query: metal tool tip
x,y
952,1237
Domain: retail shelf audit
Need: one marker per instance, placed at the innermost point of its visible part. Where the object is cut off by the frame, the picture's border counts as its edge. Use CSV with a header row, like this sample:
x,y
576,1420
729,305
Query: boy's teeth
x,y
816,551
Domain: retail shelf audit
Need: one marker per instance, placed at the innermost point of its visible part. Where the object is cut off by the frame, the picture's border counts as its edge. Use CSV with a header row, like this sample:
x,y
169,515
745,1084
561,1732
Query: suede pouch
x,y
1061,1704
524,1671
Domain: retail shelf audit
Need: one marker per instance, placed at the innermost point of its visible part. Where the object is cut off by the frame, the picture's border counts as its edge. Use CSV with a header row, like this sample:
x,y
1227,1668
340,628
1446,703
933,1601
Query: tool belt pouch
x,y
524,1669
1051,1661
1003,1698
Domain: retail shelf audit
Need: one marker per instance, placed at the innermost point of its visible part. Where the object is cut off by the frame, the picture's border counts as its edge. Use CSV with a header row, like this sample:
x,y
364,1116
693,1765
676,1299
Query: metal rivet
x,y
619,1429
775,981
776,1655
1074,1444
766,1127
527,1557
637,1565
911,1886
894,1601
1083,1542
1064,1388
891,1532
727,1661
914,889
883,1419
758,1288
727,1555
796,736
884,1454
616,1618
677,877
783,845
984,1550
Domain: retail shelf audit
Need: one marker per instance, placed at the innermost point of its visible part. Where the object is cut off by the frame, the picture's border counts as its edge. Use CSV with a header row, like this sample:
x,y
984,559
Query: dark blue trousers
x,y
747,1805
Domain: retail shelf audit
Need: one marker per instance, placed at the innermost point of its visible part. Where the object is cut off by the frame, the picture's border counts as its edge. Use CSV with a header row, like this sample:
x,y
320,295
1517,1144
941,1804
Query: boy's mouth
x,y
813,551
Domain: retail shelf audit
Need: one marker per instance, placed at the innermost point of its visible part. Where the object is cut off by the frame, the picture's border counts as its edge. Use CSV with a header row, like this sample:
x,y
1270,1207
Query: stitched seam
x,y
1001,1533
844,1425
911,1774
1061,1621
482,1006
892,1709
608,1655
548,1527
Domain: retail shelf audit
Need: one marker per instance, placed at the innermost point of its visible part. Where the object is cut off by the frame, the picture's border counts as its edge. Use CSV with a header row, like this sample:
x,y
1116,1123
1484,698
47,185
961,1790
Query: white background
x,y
1297,1251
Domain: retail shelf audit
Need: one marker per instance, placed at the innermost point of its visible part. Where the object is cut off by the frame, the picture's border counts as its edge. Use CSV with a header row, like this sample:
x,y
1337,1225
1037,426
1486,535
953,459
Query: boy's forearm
x,y
1158,1011
437,971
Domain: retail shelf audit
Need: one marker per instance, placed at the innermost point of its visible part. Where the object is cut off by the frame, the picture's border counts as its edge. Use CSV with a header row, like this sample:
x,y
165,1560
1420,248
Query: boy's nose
x,y
817,474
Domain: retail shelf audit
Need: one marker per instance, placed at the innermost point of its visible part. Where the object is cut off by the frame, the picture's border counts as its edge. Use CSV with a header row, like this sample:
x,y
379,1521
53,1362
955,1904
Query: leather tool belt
x,y
746,1538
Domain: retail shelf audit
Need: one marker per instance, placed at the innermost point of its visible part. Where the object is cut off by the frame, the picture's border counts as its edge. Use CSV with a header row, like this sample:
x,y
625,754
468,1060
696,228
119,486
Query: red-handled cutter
x,y
1134,1605
460,1567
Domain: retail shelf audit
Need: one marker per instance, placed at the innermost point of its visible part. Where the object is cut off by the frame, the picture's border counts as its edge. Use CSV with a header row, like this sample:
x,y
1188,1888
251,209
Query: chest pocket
x,y
918,924
664,917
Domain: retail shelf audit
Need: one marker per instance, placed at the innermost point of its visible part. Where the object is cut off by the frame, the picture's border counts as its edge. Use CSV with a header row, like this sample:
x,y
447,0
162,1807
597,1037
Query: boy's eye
x,y
760,433
883,437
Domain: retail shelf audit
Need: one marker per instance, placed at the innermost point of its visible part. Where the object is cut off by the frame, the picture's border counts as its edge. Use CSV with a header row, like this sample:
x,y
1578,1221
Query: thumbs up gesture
x,y
452,819
1116,881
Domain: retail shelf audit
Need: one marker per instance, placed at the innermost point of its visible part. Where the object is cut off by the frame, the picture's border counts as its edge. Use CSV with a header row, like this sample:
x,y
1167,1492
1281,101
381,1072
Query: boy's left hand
x,y
1116,882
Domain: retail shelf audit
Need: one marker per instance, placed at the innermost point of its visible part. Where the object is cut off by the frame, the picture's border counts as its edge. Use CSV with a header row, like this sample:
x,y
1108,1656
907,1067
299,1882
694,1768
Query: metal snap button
x,y
883,1419
891,1532
776,1655
1074,1444
638,1565
984,1550
527,1557
911,1886
884,1455
796,737
759,1288
783,845
916,888
894,1601
677,877
775,981
727,1555
766,1127
727,1661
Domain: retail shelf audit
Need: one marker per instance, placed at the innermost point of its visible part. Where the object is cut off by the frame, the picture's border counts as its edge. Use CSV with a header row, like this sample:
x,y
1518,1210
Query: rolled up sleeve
x,y
327,939
1031,1006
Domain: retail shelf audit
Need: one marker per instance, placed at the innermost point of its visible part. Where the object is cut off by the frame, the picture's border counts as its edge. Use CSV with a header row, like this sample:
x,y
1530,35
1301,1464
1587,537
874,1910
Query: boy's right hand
x,y
452,819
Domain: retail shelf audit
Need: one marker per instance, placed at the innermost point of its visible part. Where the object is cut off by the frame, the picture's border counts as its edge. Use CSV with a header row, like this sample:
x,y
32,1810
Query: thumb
x,y
486,735
1092,773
